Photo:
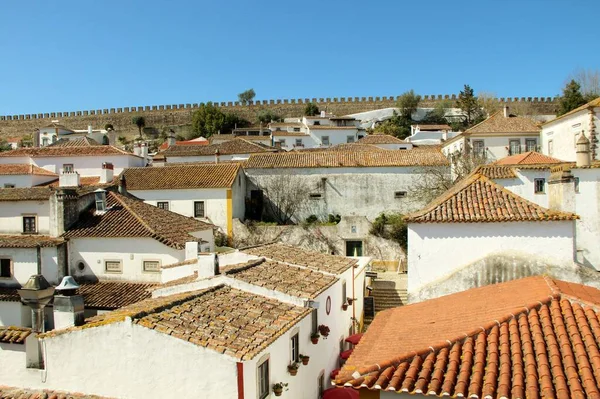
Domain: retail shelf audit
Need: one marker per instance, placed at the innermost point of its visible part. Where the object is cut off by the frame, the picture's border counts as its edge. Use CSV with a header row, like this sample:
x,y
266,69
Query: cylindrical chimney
x,y
506,114
582,156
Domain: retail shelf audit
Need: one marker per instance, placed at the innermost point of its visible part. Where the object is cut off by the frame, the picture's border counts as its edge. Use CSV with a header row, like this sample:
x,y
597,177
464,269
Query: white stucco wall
x,y
497,146
12,212
436,250
10,314
524,186
347,191
24,264
84,165
587,206
131,251
562,133
25,180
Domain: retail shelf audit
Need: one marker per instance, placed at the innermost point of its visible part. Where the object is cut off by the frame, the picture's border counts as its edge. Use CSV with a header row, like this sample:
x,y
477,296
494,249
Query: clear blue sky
x,y
76,55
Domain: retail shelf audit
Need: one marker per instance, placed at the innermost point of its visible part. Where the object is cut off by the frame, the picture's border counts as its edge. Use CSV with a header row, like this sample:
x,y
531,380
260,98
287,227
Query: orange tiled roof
x,y
528,158
220,318
26,194
496,172
29,241
127,216
478,199
227,137
340,159
292,280
381,139
25,393
333,264
230,147
527,338
109,295
13,335
97,150
497,123
24,169
76,142
188,176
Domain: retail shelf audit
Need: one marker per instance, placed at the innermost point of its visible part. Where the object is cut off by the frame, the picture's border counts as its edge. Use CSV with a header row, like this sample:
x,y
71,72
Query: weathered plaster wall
x,y
12,212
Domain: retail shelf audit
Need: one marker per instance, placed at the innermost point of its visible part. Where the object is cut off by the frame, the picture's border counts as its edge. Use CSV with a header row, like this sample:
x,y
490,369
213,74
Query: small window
x,y
9,185
349,139
5,271
514,147
530,145
315,320
163,205
321,383
151,265
113,266
199,209
325,140
294,348
45,141
316,123
263,379
100,201
299,142
296,129
400,194
539,186
550,147
68,168
29,225
315,196
576,181
479,148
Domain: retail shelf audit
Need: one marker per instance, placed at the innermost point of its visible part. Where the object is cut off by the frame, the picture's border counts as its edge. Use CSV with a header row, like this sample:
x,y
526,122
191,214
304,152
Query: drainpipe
x,y
240,379
39,259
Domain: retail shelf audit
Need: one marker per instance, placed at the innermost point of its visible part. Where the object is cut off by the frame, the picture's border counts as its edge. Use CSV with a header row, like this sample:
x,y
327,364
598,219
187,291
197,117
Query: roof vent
x,y
67,286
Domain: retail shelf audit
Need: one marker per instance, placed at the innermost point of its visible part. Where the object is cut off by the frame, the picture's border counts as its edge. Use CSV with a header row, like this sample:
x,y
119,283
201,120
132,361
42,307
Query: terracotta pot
x,y
315,340
305,360
293,372
345,306
278,391
350,300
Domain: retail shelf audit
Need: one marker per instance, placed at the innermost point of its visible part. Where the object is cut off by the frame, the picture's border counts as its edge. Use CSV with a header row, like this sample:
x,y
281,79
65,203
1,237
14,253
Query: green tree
x,y
209,120
408,103
246,96
311,109
109,127
470,107
571,98
268,116
140,122
4,146
397,126
438,114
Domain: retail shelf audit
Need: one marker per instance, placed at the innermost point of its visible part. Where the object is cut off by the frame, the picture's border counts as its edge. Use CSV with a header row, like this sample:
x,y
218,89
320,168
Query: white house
x,y
363,183
24,175
559,136
479,224
237,149
426,134
207,191
498,136
86,161
386,142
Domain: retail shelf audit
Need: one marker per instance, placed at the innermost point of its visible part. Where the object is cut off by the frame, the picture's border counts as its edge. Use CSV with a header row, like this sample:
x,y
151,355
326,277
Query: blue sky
x,y
76,55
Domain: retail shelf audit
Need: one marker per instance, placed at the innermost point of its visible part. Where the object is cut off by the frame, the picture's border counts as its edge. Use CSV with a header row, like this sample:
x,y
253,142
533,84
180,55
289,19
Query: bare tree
x,y
589,80
488,101
285,196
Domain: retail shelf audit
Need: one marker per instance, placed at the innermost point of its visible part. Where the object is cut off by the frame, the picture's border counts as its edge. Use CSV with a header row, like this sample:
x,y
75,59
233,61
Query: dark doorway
x,y
354,248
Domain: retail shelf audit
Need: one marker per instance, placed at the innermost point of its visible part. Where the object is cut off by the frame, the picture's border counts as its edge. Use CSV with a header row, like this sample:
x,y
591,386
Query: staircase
x,y
389,291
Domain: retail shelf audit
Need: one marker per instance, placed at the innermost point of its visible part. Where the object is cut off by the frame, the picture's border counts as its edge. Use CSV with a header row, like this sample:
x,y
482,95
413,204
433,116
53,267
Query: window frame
x,y
350,139
263,373
325,140
314,321
527,146
299,143
295,347
10,267
35,223
510,146
535,185
576,183
68,168
161,205
196,203
482,149
9,185
400,194
158,265
120,261
550,148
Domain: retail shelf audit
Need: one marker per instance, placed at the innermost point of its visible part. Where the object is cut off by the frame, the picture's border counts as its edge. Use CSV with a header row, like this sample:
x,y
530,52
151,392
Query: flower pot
x,y
315,340
292,372
350,300
345,307
277,391
305,360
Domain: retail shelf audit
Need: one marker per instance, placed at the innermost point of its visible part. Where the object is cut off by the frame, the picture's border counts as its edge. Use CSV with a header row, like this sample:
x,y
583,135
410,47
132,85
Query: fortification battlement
x,y
390,101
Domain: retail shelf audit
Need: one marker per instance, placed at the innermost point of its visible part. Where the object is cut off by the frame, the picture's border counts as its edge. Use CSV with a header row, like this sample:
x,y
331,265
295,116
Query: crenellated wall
x,y
159,116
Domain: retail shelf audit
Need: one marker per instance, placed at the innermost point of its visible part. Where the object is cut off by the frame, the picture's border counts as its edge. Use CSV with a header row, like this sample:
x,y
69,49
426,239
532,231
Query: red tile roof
x,y
13,335
528,158
525,338
26,393
478,199
496,172
29,241
230,147
127,216
26,194
182,176
381,139
110,295
97,150
75,142
340,159
498,123
24,169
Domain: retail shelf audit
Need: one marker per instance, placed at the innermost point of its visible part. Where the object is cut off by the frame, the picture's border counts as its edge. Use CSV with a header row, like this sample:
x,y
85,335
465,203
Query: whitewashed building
x,y
559,136
24,175
210,192
427,134
500,135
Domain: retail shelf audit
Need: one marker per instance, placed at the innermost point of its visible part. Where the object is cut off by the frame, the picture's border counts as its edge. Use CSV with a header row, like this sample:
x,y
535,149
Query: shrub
x,y
391,227
334,219
312,219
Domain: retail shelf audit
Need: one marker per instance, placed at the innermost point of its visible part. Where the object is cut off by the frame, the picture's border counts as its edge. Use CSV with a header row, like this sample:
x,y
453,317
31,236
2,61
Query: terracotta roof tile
x,y
109,295
340,159
26,194
524,338
25,393
478,199
230,147
528,158
187,176
284,133
13,335
223,319
496,172
127,216
498,123
76,142
292,280
65,151
333,264
381,139
29,241
227,137
24,169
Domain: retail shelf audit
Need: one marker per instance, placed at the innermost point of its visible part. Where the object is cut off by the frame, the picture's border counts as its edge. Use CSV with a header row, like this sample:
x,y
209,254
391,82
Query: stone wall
x,y
180,115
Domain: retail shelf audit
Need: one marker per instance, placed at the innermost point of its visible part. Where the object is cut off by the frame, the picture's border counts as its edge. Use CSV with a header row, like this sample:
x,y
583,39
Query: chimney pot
x,y
506,113
582,156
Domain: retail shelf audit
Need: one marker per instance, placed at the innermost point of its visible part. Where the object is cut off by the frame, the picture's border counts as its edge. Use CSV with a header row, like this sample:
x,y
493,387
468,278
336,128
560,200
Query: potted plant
x,y
345,306
324,331
350,300
293,368
279,387
304,359
314,337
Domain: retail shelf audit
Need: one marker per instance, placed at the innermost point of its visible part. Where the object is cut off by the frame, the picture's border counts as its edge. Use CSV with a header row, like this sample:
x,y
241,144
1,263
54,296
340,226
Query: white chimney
x,y
68,307
90,129
217,154
582,156
191,250
107,173
208,265
144,150
506,114
137,148
68,179
322,114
